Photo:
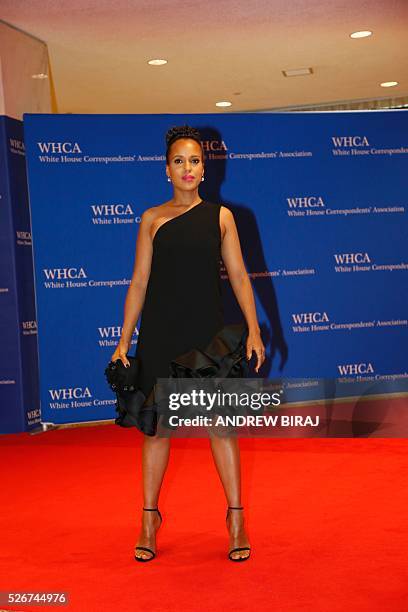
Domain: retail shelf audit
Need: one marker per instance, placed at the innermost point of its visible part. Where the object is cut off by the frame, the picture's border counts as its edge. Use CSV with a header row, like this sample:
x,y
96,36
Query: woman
x,y
176,280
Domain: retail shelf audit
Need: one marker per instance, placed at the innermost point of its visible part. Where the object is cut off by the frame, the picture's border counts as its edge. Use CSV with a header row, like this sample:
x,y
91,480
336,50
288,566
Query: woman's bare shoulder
x,y
224,209
155,211
226,214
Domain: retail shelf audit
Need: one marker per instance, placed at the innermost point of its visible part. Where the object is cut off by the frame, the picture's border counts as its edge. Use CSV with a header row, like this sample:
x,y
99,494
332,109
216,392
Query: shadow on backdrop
x,y
253,254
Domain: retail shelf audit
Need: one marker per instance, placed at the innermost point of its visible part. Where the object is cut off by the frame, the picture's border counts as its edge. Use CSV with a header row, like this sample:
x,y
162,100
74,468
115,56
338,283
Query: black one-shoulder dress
x,y
182,331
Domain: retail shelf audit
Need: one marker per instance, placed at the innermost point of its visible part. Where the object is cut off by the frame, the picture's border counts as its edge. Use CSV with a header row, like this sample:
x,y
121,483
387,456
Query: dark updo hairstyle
x,y
183,131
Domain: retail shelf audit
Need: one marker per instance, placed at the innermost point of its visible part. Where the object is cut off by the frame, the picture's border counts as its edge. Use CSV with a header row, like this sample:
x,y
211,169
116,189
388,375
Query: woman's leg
x,y
226,455
155,457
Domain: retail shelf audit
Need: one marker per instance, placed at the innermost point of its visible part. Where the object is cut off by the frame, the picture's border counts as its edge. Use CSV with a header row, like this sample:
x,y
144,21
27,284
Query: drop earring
x,y
169,179
202,178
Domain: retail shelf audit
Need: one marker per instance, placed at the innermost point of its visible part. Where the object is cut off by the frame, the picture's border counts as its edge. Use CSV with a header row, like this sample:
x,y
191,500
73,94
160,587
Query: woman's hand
x,y
254,343
121,351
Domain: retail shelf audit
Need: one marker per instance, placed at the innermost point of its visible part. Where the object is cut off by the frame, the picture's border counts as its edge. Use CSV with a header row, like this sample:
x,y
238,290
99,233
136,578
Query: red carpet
x,y
326,519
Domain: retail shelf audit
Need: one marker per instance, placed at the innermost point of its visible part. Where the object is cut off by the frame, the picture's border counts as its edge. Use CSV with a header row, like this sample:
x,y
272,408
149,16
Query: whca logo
x,y
303,318
59,147
214,145
350,141
114,331
305,202
22,235
70,393
111,210
17,144
29,324
350,369
352,258
64,273
34,414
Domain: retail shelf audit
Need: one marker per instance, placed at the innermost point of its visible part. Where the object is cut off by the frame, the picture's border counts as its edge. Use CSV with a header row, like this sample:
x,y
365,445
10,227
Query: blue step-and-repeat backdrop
x,y
320,201
19,392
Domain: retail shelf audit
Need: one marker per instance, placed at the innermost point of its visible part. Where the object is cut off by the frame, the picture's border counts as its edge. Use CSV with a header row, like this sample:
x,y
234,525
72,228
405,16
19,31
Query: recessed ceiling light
x,y
41,75
223,103
297,72
157,62
389,84
361,34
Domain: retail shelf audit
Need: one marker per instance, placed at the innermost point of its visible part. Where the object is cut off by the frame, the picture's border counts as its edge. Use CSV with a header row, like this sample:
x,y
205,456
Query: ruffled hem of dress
x,y
224,357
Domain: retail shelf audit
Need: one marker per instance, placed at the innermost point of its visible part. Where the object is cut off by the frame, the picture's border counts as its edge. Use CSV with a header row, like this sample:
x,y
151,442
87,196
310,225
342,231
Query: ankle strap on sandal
x,y
154,510
233,508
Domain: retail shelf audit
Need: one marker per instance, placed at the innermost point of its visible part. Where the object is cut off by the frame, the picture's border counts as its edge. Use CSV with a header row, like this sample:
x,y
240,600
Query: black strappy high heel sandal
x,y
149,550
242,547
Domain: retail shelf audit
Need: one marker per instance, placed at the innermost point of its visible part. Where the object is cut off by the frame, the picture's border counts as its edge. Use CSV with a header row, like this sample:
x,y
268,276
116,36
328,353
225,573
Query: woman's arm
x,y
241,285
137,289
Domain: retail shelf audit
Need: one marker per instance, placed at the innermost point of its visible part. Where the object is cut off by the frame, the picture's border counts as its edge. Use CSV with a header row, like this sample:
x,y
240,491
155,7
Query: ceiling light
x,y
157,62
389,84
297,72
223,103
361,34
41,75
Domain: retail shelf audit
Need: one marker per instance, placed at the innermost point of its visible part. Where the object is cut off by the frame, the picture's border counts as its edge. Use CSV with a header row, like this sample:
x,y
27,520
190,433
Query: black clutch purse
x,y
121,378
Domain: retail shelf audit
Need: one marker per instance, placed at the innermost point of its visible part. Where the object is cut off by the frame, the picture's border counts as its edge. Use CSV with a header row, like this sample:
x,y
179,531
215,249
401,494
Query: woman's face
x,y
185,166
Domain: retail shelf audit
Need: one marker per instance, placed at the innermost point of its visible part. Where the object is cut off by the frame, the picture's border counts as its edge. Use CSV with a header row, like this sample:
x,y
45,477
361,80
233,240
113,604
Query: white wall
x,y
21,56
